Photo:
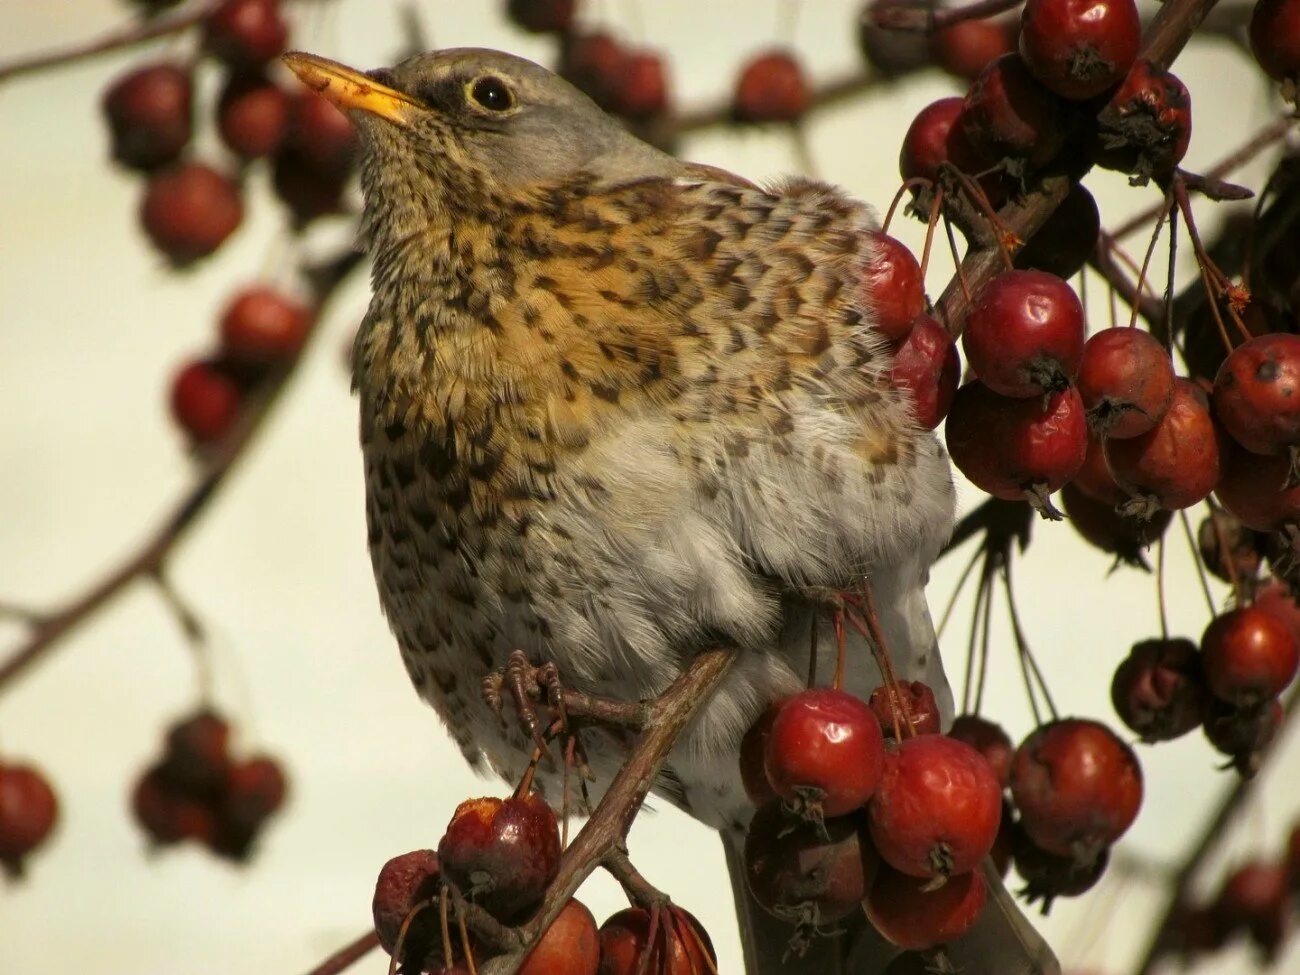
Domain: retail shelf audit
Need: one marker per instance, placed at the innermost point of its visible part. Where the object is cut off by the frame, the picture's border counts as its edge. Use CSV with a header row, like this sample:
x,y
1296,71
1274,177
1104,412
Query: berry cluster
x,y
29,810
500,855
197,791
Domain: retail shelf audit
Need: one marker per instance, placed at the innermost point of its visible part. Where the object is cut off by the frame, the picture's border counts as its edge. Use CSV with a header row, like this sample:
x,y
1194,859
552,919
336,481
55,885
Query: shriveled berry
x,y
169,815
907,703
205,401
1146,127
1125,536
772,88
927,366
1176,463
404,883
197,756
1126,379
1024,336
1275,37
937,809
987,738
1079,48
752,748
893,287
1048,876
1008,113
1077,785
570,946
1228,549
908,913
1257,393
1243,734
1158,691
1064,243
679,944
246,33
253,115
29,810
150,115
261,327
502,853
824,752
965,48
1249,655
188,211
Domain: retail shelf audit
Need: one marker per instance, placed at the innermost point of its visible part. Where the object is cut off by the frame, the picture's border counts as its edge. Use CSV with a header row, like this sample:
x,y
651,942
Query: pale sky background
x,y
92,327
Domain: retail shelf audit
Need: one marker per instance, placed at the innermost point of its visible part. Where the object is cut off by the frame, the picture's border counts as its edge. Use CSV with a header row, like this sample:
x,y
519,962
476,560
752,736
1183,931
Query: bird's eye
x,y
492,94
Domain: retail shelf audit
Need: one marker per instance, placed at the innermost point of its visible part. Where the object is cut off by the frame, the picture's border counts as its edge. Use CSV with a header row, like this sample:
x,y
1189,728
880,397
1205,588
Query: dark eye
x,y
493,94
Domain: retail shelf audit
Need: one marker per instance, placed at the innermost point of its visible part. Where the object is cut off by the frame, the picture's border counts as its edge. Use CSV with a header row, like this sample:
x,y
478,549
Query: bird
x,y
617,409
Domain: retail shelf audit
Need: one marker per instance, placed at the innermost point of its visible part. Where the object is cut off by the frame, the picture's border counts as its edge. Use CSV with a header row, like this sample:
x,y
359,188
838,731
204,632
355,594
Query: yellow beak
x,y
350,89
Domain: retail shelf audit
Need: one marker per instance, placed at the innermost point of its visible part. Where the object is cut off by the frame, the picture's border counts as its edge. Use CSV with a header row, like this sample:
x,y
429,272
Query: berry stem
x,y
1161,606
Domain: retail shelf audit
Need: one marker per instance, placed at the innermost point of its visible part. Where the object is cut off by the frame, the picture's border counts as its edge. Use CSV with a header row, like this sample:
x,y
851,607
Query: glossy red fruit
x,y
1243,734
1077,786
205,401
911,916
1064,243
1048,876
1256,898
678,946
927,366
542,16
893,286
1102,526
1025,334
502,853
150,115
825,752
1159,691
1126,379
772,88
188,211
253,116
322,135
1079,48
595,64
1014,447
987,738
246,34
262,327
404,883
968,46
1275,598
1257,393
1250,656
644,92
1146,127
1095,479
197,755
1275,37
1009,114
1176,463
910,702
570,946
937,136
167,814
29,810
1254,488
752,750
937,809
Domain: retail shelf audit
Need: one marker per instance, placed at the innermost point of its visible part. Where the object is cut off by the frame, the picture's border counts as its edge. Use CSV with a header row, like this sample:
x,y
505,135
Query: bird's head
x,y
451,125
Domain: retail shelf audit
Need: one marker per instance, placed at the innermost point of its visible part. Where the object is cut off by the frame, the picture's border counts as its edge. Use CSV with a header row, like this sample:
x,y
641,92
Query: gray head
x,y
452,121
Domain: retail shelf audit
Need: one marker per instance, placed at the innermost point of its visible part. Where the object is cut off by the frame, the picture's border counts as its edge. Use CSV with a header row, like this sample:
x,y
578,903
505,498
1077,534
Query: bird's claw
x,y
526,684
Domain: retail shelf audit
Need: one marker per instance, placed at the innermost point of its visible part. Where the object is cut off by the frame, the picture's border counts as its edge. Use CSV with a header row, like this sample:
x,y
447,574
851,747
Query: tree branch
x,y
348,955
924,17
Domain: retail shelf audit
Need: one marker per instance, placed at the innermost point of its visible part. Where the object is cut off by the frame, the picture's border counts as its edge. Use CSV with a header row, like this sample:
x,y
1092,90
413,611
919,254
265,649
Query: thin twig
x,y
925,18
348,955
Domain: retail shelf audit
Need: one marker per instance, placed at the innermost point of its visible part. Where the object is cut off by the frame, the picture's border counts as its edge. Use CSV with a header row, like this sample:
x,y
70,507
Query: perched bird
x,y
617,408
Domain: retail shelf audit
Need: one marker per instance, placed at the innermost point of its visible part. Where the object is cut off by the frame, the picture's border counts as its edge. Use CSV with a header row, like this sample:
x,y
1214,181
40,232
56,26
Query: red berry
x,y
1048,876
1007,113
189,211
29,810
893,286
938,136
909,702
149,115
1242,734
1146,127
1126,380
937,809
1014,447
1256,489
1275,598
168,814
1257,393
570,946
644,91
1175,464
306,191
1256,898
261,327
595,64
253,116
502,853
1094,478
987,738
205,401
771,88
909,914
1079,48
824,752
679,946
404,883
322,135
968,46
1158,690
926,365
1250,656
1077,786
542,16
752,748
246,33
1025,334
197,757
1102,526
1275,37
255,789
892,53
1064,243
